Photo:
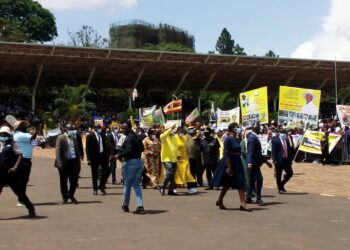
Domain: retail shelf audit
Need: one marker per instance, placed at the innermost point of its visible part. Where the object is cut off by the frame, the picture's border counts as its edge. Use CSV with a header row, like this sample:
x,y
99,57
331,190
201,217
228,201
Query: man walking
x,y
23,140
10,173
112,134
97,154
168,157
254,160
68,162
282,158
210,154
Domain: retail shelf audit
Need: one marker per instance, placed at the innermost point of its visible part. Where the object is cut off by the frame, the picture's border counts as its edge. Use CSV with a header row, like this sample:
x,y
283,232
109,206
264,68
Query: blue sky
x,y
285,26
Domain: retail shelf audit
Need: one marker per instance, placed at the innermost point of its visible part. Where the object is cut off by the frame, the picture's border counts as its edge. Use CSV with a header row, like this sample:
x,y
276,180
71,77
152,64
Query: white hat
x,y
309,92
5,129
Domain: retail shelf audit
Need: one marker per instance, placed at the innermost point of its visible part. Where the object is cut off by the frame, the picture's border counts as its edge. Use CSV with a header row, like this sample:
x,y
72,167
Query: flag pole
x,y
335,80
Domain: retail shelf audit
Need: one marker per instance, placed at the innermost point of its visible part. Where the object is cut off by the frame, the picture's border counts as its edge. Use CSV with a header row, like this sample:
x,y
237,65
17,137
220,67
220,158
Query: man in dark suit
x,y
112,135
282,153
79,139
68,163
98,154
254,160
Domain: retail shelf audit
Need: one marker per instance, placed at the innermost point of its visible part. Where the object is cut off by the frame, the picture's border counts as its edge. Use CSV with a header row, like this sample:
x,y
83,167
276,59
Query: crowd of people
x,y
163,157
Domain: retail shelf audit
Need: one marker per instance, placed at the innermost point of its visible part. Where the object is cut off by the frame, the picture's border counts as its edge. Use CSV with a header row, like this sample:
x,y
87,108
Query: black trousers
x,y
104,173
209,171
255,183
287,167
113,167
25,169
197,170
14,182
69,172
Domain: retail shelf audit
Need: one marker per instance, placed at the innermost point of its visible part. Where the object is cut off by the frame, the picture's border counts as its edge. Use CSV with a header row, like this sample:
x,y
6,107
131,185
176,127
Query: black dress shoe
x,y
245,209
139,210
72,198
220,205
250,201
125,208
260,203
95,192
209,188
172,193
32,213
103,191
65,201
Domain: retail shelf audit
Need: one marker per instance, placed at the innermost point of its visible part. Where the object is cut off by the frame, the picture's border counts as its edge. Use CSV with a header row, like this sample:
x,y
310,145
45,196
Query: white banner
x,y
226,117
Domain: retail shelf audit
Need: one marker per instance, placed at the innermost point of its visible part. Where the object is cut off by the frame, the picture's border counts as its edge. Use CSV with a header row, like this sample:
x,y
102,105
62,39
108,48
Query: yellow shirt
x,y
169,151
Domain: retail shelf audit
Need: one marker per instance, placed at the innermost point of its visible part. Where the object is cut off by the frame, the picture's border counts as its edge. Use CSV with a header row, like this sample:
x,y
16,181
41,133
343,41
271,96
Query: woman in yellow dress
x,y
183,174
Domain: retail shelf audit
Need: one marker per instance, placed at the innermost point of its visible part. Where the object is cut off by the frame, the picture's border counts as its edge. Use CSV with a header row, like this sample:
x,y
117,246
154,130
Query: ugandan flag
x,y
193,116
173,106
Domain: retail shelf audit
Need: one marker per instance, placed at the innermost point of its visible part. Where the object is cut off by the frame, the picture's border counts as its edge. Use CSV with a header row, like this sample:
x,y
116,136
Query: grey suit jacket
x,y
62,148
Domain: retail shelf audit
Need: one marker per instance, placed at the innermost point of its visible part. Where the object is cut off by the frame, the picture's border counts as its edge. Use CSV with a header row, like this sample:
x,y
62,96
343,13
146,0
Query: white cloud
x,y
86,4
334,40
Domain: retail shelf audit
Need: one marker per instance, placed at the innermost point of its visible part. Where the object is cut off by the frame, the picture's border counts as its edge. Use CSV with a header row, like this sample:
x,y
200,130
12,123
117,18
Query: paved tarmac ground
x,y
298,220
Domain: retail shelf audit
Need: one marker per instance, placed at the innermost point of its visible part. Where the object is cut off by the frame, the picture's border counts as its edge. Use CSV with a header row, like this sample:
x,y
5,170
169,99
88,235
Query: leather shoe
x,y
250,201
172,193
32,213
245,209
260,203
220,205
125,208
139,210
103,191
72,198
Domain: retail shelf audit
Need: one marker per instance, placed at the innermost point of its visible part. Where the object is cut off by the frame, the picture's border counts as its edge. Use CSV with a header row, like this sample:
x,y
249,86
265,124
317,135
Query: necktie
x,y
285,153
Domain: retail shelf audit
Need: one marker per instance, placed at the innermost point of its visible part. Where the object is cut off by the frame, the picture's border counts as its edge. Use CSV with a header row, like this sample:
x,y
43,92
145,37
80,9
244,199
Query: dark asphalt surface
x,y
290,221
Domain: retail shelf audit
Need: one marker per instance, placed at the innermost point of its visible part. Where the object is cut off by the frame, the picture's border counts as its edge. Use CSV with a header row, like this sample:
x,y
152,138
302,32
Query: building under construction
x,y
137,34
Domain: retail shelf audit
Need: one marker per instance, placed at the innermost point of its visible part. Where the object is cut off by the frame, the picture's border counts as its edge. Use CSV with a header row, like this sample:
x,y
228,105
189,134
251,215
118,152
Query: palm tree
x,y
72,103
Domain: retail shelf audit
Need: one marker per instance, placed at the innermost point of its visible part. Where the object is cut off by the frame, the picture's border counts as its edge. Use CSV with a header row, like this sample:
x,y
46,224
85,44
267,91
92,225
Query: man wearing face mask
x,y
10,164
97,153
282,153
68,162
23,140
209,154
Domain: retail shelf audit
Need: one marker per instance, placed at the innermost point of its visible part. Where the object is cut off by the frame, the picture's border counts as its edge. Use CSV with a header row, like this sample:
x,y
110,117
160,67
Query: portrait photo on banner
x,y
298,107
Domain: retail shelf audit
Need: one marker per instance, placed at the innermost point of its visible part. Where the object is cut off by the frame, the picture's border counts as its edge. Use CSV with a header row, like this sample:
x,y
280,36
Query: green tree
x,y
225,44
26,21
175,47
270,53
72,104
87,37
238,50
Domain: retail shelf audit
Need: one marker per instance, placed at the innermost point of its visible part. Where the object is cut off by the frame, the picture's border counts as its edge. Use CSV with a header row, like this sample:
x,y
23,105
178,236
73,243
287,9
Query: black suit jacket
x,y
254,151
93,148
277,150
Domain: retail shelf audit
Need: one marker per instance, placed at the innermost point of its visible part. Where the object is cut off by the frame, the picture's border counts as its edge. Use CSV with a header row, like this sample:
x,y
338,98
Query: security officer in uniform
x,y
10,172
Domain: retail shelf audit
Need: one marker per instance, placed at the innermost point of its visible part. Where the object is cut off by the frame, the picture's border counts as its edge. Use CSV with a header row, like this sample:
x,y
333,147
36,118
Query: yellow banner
x,y
299,107
311,142
254,107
